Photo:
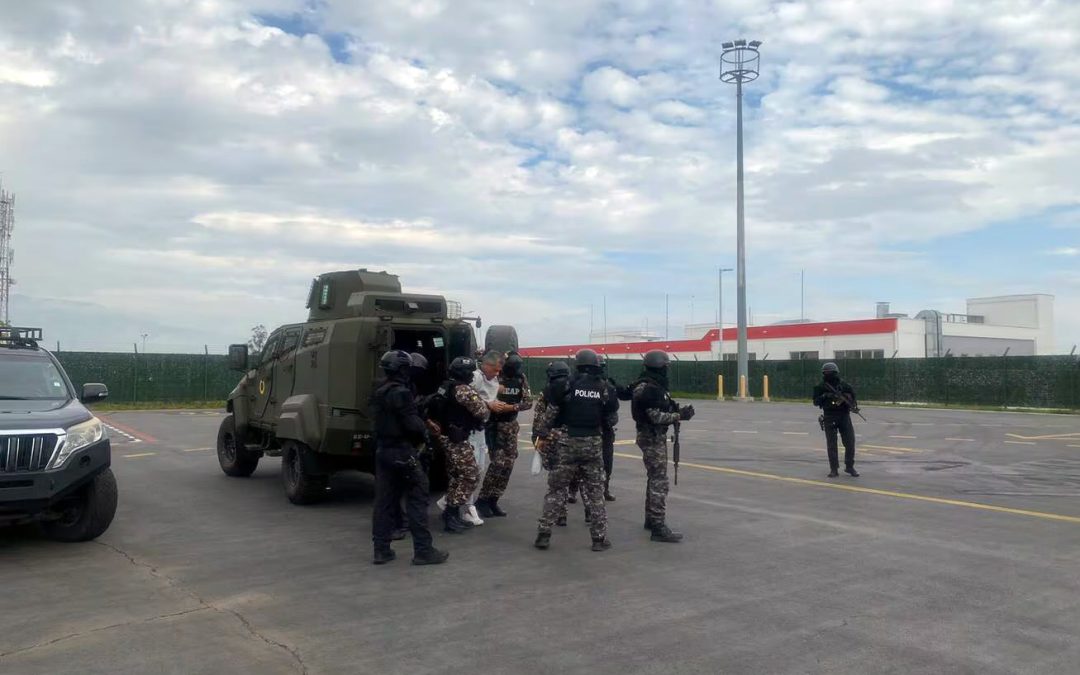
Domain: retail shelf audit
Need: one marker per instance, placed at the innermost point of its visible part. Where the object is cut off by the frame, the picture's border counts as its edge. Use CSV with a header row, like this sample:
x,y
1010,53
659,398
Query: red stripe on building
x,y
780,332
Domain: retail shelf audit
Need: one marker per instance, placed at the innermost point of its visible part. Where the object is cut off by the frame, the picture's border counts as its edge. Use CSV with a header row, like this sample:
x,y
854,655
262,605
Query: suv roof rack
x,y
18,336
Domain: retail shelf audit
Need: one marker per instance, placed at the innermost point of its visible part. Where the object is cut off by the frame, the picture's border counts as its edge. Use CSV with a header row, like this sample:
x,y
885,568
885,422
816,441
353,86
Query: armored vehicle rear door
x,y
264,378
462,341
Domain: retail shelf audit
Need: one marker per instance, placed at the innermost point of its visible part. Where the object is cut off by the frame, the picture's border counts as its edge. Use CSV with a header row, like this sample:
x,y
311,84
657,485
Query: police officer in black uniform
x,y
836,399
399,432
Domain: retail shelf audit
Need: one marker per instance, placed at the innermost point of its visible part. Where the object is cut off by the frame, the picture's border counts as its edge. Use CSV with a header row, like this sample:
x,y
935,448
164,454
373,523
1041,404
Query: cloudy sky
x,y
183,168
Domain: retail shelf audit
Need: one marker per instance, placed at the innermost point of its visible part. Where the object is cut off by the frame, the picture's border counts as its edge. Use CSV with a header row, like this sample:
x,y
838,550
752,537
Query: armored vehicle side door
x,y
264,379
284,366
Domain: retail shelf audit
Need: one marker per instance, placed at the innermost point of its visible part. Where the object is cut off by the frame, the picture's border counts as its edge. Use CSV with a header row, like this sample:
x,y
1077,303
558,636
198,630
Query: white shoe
x,y
441,503
469,515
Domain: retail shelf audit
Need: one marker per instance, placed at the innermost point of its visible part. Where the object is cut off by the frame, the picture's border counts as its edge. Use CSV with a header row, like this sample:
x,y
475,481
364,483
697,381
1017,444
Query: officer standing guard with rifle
x,y
836,399
654,412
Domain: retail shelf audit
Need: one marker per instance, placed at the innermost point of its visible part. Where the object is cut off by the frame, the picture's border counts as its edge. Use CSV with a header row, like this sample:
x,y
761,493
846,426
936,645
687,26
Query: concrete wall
x,y
1033,314
986,346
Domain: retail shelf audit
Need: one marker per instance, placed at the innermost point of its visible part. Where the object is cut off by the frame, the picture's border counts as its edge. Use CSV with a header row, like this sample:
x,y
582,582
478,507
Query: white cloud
x,y
557,151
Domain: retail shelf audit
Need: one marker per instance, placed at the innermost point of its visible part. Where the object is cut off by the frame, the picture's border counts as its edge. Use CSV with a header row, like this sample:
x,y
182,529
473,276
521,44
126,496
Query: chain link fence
x,y
1004,381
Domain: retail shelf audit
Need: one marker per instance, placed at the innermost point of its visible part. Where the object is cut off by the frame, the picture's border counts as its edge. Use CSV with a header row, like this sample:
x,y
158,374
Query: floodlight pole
x,y
739,63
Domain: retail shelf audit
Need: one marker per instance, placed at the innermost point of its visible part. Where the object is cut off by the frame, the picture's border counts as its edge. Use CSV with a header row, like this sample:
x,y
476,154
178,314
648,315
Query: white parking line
x,y
139,454
1021,442
196,449
128,437
910,437
964,440
796,433
737,431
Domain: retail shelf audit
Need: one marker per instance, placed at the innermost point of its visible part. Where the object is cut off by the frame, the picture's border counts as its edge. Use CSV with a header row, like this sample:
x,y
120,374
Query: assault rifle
x,y
852,405
675,441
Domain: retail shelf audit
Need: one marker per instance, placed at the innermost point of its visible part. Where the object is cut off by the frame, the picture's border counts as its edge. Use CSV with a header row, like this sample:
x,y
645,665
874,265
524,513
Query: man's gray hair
x,y
493,358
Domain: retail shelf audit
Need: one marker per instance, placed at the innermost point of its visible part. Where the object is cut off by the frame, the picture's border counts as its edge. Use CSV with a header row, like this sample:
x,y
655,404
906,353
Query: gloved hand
x,y
686,412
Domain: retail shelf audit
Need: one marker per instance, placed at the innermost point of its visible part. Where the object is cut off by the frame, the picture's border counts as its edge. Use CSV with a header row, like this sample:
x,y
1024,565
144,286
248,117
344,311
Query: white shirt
x,y
488,389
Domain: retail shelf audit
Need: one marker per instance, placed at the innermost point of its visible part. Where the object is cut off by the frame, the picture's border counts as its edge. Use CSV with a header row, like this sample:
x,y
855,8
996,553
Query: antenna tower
x,y
7,225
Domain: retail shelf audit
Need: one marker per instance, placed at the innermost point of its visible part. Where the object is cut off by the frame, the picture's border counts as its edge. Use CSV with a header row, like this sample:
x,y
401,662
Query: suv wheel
x,y
87,515
301,486
235,459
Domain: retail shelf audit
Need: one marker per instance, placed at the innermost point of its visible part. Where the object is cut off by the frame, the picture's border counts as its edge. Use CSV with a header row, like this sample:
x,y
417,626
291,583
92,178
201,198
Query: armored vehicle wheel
x,y
501,338
234,458
88,514
301,486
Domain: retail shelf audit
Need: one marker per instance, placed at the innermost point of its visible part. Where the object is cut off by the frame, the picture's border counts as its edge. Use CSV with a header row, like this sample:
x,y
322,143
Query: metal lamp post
x,y
739,64
720,310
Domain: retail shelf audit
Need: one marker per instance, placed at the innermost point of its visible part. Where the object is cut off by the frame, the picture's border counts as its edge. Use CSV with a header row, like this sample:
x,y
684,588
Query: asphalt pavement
x,y
957,551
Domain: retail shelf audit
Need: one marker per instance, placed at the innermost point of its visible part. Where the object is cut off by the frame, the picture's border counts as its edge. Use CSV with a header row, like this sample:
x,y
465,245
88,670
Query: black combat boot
x,y
649,524
571,499
851,472
453,522
496,510
431,556
601,544
383,556
399,533
661,532
607,491
483,507
561,522
833,473
543,540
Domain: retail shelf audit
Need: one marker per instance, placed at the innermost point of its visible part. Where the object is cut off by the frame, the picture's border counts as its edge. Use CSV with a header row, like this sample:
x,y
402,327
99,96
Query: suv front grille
x,y
26,452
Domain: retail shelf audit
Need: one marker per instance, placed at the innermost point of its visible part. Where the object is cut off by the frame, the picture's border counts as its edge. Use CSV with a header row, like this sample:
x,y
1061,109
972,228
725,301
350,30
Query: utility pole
x,y
666,312
720,310
740,63
802,295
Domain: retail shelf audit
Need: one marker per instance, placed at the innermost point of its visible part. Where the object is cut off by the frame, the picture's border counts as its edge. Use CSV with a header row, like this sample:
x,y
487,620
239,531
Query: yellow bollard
x,y
719,387
765,389
742,387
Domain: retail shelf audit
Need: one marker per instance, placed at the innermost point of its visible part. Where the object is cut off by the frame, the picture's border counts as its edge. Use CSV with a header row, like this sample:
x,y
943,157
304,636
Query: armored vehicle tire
x,y
234,458
501,338
88,514
301,486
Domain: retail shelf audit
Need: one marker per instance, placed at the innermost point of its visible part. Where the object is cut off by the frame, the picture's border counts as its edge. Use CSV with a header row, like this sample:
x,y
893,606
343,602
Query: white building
x,y
1020,325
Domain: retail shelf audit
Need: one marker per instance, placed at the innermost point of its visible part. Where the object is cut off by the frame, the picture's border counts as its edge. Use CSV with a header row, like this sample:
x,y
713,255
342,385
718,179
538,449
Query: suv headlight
x,y
78,437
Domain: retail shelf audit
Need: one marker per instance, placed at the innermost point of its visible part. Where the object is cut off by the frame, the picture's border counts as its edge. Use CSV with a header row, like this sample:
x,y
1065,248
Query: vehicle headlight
x,y
78,437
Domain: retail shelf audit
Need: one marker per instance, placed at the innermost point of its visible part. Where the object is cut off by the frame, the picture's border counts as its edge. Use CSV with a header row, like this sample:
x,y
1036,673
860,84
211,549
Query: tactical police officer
x,y
399,432
836,399
608,438
557,372
654,412
582,405
514,392
460,412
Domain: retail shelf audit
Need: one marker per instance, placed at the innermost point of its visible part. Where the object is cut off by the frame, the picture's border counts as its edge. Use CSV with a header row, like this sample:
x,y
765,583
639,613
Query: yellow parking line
x,y
890,447
874,491
1074,446
139,454
625,442
196,449
912,437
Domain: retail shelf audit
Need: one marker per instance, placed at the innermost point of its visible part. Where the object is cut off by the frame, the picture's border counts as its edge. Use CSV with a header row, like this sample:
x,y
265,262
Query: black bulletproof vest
x,y
652,396
453,413
512,391
581,408
387,422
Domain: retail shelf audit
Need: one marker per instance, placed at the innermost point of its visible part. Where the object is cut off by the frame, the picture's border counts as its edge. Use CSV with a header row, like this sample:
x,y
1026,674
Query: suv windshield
x,y
31,378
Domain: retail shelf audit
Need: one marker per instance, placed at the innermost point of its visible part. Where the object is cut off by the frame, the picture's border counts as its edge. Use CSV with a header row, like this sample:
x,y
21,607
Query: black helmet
x,y
656,359
513,364
586,358
462,369
557,369
418,360
830,367
603,362
395,361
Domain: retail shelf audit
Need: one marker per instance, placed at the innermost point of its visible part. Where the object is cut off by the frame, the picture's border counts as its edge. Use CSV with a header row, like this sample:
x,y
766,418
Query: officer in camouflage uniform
x,y
581,405
654,412
462,411
557,371
513,391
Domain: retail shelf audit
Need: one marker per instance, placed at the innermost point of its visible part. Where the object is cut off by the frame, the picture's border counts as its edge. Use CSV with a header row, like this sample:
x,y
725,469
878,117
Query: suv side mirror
x,y
238,357
94,392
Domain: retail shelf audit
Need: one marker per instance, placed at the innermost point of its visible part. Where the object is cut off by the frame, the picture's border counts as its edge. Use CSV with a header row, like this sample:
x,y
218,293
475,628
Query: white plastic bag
x,y
537,464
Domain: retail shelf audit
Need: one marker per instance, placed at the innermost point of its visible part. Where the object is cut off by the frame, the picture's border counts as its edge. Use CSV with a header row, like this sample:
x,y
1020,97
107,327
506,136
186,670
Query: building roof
x,y
704,344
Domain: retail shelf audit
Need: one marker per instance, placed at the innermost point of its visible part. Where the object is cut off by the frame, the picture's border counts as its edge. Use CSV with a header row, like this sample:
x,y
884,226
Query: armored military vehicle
x,y
305,396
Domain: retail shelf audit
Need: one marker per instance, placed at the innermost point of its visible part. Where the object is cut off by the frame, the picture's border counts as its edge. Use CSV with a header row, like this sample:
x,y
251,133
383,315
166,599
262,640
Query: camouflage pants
x,y
654,454
461,472
503,456
581,458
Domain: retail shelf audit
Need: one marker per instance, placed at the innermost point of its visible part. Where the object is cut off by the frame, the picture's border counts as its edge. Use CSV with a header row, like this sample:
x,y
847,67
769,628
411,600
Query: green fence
x,y
1010,381
174,378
